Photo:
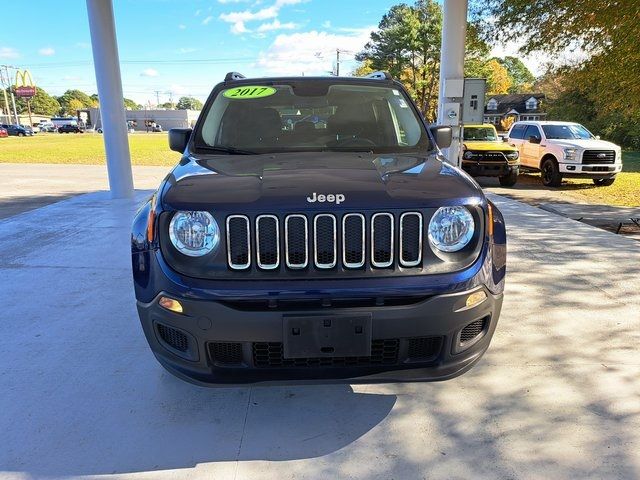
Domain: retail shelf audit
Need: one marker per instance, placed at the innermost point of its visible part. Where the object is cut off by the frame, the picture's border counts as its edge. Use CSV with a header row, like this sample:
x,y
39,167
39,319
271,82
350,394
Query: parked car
x,y
565,150
356,254
47,127
69,128
3,132
30,129
16,130
484,154
156,127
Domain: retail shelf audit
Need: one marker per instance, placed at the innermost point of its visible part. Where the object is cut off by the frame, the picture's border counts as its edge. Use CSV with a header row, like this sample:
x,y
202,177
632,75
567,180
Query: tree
x,y
80,100
602,35
167,105
131,105
407,45
189,103
521,77
498,79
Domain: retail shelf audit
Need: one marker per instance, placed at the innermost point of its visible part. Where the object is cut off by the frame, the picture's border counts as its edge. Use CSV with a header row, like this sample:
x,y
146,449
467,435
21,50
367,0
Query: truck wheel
x,y
551,176
509,180
604,182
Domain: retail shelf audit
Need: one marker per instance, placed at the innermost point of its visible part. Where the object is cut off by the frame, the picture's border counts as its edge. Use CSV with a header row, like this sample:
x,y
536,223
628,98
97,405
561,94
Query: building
x,y
519,106
142,120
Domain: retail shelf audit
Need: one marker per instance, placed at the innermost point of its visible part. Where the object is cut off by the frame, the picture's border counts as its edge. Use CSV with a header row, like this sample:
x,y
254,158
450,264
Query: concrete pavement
x,y
556,396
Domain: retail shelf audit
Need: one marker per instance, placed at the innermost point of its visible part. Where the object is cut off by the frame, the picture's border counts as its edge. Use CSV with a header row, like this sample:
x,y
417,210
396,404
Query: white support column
x,y
107,67
454,31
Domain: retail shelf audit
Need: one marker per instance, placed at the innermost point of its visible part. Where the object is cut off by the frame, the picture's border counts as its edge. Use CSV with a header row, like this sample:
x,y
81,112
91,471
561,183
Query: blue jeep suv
x,y
339,250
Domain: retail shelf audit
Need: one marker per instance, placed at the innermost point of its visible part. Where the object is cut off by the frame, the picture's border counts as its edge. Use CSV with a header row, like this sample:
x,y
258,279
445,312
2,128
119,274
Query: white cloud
x,y
239,19
326,24
46,51
149,72
197,13
207,20
231,1
8,52
276,25
186,50
310,52
83,45
182,26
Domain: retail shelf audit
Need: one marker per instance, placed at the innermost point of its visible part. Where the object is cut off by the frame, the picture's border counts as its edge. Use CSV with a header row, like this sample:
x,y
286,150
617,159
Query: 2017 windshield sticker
x,y
242,93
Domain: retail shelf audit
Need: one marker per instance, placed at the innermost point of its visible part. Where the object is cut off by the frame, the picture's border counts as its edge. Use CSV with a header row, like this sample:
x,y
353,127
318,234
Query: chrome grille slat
x,y
241,246
268,242
407,236
292,256
382,255
325,241
353,243
324,258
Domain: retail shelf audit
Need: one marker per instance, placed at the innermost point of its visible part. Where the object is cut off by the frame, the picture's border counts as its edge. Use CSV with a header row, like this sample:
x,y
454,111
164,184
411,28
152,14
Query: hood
x,y
485,146
590,144
292,181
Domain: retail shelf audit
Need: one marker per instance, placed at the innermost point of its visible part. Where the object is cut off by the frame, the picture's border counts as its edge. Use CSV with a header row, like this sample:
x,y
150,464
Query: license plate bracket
x,y
318,336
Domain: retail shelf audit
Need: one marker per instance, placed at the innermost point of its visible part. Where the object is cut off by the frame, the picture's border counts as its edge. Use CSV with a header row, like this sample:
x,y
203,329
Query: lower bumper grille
x,y
422,349
271,355
472,330
174,338
227,353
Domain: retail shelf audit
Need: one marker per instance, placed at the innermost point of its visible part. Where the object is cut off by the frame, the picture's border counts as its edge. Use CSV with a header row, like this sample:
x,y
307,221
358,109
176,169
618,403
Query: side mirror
x,y
505,139
179,138
534,139
442,136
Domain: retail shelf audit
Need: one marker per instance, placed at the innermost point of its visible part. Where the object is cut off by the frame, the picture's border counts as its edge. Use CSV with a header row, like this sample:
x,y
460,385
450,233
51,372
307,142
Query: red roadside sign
x,y
25,91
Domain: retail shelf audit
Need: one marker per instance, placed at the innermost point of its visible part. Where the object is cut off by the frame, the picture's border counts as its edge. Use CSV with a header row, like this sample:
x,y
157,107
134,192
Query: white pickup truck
x,y
565,149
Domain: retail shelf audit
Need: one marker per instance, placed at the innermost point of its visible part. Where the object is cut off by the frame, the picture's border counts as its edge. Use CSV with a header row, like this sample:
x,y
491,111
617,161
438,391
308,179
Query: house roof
x,y
514,101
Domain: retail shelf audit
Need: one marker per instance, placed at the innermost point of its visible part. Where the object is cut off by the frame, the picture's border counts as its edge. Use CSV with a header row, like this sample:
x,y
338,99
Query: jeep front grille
x,y
325,241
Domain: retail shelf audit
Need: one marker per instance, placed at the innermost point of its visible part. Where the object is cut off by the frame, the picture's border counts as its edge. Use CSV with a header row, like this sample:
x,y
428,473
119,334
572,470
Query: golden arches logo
x,y
24,86
24,79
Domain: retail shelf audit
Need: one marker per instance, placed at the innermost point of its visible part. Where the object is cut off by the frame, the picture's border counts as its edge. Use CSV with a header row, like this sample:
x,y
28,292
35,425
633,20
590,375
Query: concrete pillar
x,y
107,67
454,31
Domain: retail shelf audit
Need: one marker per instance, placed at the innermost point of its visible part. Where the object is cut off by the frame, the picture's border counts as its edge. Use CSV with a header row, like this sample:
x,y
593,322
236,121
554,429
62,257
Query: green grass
x,y
86,148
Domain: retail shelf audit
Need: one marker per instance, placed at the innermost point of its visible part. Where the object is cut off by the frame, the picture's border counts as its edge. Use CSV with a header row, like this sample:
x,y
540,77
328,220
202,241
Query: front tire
x,y
604,182
551,176
21,134
509,180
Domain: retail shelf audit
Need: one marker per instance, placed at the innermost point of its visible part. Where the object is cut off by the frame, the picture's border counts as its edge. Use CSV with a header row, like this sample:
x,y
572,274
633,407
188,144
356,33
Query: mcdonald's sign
x,y
24,86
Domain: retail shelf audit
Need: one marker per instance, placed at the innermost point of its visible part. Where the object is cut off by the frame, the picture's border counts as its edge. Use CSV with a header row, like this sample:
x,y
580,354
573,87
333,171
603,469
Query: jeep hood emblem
x,y
336,198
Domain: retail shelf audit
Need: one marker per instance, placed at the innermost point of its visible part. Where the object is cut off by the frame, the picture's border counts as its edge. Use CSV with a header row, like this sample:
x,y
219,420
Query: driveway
x,y
556,396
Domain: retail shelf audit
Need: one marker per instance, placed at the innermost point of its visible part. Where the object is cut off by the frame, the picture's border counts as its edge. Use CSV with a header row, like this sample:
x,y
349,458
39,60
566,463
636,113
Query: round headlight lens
x,y
468,155
194,233
451,229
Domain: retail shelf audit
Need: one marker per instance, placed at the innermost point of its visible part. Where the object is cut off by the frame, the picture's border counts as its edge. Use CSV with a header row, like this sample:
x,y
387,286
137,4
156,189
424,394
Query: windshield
x,y
311,116
480,133
566,132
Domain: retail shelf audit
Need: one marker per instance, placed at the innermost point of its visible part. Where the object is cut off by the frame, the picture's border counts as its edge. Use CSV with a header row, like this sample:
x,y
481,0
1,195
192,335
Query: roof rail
x,y
231,76
380,75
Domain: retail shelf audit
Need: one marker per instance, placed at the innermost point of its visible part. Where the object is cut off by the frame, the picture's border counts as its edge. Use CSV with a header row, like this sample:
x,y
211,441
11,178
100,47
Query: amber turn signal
x,y
476,298
170,304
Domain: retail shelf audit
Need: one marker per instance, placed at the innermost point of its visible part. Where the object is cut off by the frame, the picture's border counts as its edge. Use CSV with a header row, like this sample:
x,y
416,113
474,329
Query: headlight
x,y
451,229
468,155
194,233
513,155
570,153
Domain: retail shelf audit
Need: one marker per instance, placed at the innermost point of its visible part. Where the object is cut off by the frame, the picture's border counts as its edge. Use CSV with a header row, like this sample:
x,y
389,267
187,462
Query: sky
x,y
170,49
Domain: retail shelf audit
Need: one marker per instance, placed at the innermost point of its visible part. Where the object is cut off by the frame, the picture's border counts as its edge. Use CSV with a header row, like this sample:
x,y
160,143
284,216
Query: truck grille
x,y
324,241
598,157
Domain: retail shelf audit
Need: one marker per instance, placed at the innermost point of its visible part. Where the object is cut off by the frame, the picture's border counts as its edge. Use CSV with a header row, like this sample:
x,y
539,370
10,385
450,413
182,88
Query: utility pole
x,y
337,62
5,80
157,97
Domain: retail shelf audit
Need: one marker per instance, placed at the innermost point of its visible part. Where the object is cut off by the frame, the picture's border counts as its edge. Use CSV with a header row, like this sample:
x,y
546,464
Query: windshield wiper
x,y
227,150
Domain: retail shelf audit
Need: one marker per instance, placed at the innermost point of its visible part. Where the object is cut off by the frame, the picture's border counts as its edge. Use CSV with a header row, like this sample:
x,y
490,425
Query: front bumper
x,y
488,169
221,343
577,170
